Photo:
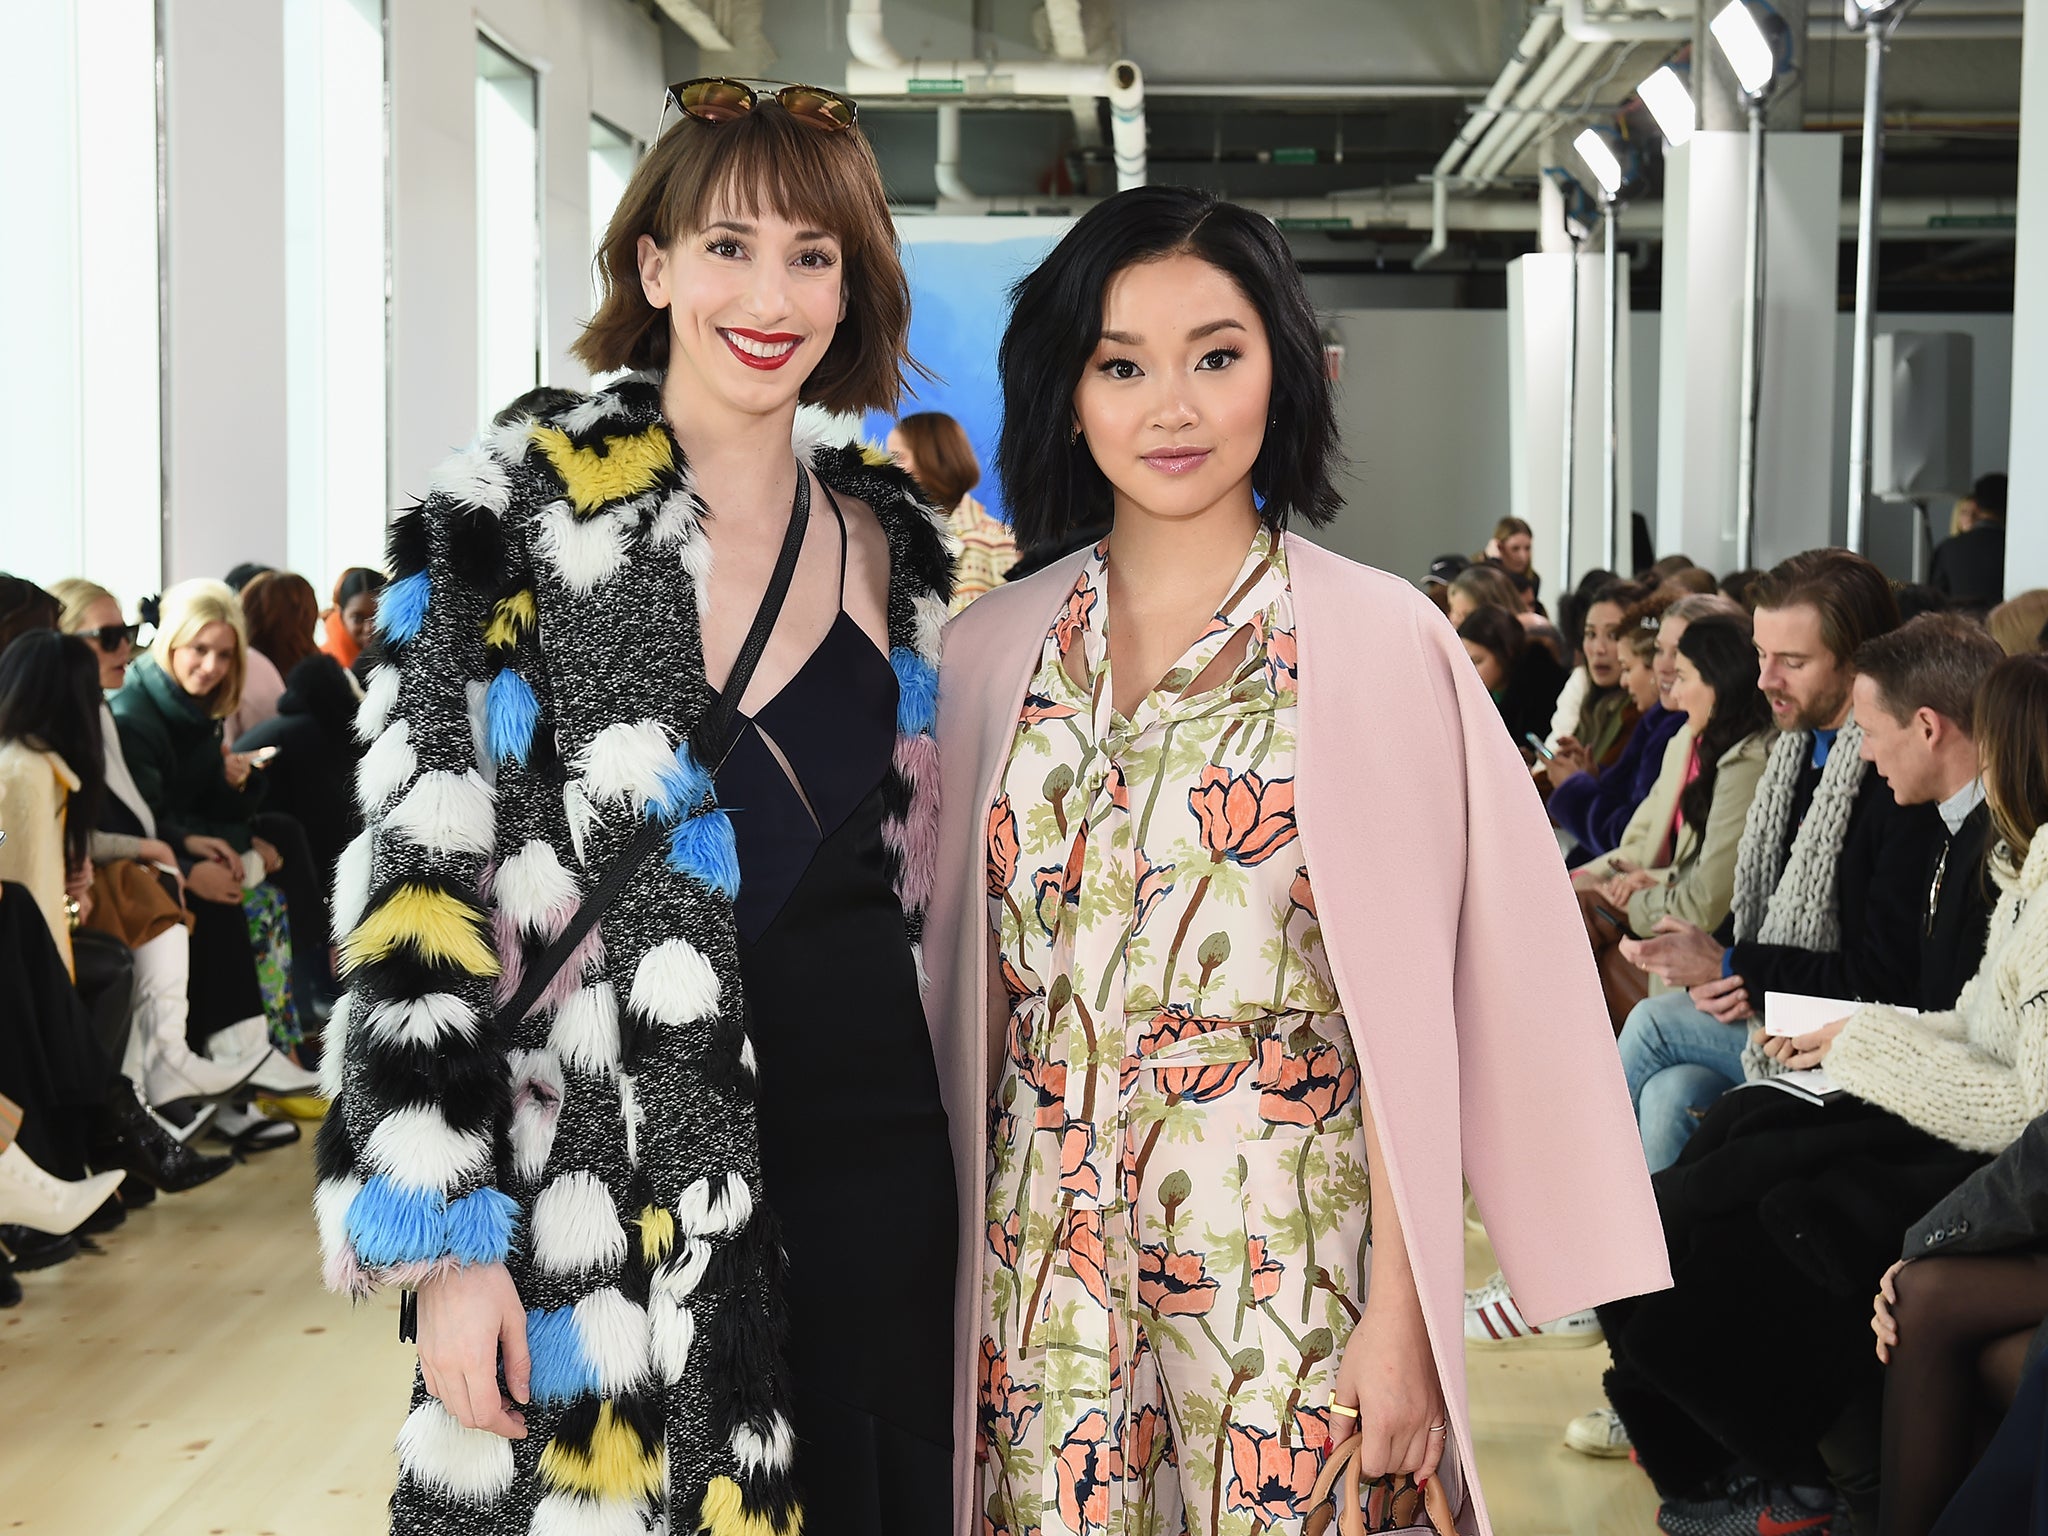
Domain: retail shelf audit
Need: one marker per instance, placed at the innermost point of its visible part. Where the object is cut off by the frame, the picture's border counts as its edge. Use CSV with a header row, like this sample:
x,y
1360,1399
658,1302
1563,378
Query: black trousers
x,y
2008,1493
50,1062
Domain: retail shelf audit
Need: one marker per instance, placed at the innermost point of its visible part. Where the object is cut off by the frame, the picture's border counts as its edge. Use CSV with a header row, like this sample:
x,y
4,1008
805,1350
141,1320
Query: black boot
x,y
10,1288
131,1137
136,1193
30,1249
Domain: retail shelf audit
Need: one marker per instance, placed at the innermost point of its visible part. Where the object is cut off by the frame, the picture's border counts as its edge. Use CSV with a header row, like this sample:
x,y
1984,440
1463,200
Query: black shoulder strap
x,y
709,742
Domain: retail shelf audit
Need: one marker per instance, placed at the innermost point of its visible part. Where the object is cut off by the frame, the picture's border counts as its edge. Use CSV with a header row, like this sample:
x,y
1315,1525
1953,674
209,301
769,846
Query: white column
x,y
2026,542
1700,392
1539,318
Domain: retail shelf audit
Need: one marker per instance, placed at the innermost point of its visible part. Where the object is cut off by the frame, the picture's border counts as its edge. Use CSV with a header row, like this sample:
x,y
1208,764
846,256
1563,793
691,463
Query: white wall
x,y
2027,539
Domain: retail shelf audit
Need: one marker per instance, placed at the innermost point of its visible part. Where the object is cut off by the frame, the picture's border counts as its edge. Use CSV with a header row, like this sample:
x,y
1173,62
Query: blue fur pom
x,y
703,847
684,786
510,713
388,1224
917,692
480,1226
402,608
560,1369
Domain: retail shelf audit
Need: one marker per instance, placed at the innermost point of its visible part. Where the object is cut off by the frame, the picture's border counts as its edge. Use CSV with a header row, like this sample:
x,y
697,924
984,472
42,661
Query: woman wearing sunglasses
x,y
1243,896
664,655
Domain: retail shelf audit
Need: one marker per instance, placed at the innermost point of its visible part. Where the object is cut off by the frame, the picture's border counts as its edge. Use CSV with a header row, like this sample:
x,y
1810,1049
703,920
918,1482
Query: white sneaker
x,y
250,1130
1599,1433
276,1073
1493,1321
282,1077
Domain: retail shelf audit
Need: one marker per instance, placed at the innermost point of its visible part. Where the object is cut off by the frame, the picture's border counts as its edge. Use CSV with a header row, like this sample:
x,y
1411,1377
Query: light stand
x,y
1571,417
1606,167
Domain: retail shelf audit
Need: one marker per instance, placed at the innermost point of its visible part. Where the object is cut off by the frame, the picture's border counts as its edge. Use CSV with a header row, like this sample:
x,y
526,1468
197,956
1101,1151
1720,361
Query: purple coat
x,y
1595,808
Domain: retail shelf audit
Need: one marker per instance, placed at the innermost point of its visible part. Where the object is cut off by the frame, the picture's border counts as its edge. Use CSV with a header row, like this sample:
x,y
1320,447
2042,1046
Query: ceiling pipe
x,y
865,39
1530,101
1127,123
946,168
1439,223
1581,27
700,25
1957,28
1069,34
1519,132
1542,27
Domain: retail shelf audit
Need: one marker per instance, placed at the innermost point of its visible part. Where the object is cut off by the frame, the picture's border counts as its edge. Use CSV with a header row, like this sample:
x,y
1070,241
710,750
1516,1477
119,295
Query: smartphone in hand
x,y
1536,743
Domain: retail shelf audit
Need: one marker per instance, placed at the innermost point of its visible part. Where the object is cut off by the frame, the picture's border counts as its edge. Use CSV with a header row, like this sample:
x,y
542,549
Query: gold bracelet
x,y
1349,1413
71,910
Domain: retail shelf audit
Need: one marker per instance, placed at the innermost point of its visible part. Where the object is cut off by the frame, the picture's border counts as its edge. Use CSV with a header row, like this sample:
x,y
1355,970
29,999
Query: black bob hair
x,y
50,699
1050,480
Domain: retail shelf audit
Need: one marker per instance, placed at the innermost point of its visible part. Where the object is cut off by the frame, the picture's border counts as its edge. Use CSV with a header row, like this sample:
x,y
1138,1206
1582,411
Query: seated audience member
x,y
1513,549
1916,600
1962,1330
1828,878
1693,580
35,1203
1571,610
1487,586
2016,623
1607,712
1436,585
348,626
1969,565
1740,587
934,451
1671,565
240,576
1521,674
1776,1197
23,606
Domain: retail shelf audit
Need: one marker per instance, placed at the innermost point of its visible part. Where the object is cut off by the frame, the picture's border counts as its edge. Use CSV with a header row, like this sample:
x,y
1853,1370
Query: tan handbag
x,y
130,902
1377,1504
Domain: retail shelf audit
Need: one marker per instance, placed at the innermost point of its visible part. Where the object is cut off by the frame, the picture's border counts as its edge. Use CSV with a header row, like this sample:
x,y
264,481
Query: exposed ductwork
x,y
946,168
701,26
1616,25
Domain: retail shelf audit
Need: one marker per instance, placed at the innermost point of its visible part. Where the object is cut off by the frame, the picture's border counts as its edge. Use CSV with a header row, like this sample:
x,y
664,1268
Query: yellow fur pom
x,y
875,457
725,1514
509,618
657,1234
618,1464
437,925
595,478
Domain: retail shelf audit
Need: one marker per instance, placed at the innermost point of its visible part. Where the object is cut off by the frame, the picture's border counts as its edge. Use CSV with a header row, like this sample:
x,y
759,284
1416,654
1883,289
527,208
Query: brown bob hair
x,y
282,613
1851,595
946,465
765,160
2012,742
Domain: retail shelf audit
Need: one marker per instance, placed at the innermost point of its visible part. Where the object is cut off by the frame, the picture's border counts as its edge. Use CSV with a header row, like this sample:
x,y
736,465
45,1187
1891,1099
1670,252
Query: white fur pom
x,y
386,768
418,1149
696,561
537,1091
929,614
379,699
334,1049
630,1116
585,552
430,1021
436,1451
814,430
446,813
352,883
509,441
474,479
631,762
768,1446
613,1332
747,1054
590,411
534,891
331,1200
672,1330
679,1278
677,521
700,1213
586,1029
675,984
571,1514
581,816
575,1229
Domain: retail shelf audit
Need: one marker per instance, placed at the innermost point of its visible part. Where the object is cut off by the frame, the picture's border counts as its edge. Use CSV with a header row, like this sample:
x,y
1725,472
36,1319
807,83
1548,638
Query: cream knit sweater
x,y
1975,1075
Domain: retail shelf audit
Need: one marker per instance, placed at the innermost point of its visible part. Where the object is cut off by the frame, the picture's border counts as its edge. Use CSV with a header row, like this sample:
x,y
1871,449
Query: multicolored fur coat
x,y
542,667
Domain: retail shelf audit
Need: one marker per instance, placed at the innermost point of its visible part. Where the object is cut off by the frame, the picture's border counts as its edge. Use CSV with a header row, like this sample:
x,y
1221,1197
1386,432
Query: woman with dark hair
x,y
52,773
1520,674
1606,713
697,697
1513,547
348,626
934,451
1203,1060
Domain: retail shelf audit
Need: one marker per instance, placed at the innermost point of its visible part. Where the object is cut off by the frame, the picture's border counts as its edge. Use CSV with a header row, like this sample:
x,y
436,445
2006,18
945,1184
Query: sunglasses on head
x,y
111,637
715,99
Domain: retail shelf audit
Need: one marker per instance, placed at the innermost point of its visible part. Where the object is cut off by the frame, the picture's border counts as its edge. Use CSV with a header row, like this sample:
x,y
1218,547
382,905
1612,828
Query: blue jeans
x,y
1678,1061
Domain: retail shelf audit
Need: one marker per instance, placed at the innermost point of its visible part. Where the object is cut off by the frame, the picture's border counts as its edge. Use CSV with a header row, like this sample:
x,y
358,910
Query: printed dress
x,y
1178,1205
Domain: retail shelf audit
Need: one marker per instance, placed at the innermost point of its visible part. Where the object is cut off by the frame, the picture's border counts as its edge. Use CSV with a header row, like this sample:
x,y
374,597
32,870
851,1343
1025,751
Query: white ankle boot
x,y
29,1197
275,1072
171,1069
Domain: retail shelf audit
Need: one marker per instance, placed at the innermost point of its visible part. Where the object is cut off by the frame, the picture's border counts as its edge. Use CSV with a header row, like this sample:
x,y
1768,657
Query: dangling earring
x,y
1074,436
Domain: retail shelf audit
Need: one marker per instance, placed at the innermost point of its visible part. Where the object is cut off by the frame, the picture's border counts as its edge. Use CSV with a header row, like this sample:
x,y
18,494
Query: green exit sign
x,y
1294,156
1320,223
937,87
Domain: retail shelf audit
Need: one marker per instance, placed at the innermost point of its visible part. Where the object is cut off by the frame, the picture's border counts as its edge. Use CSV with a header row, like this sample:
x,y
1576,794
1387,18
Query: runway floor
x,y
195,1380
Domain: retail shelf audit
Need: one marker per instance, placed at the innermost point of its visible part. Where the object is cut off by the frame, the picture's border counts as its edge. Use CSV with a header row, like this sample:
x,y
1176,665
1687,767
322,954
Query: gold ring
x,y
1349,1413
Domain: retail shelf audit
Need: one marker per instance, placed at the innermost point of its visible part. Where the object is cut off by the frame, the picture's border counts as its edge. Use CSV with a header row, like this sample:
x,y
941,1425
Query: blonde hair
x,y
74,595
2016,623
187,609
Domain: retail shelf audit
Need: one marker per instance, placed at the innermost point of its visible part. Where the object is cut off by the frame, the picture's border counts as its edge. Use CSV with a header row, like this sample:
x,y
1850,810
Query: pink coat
x,y
1452,935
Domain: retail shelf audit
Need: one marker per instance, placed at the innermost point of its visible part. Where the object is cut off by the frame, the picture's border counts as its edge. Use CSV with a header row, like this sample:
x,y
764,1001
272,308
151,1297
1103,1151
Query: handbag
x,y
130,903
1364,1506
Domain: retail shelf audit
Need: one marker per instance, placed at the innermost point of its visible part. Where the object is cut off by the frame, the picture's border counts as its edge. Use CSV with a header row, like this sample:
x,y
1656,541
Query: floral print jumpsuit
x,y
1178,1206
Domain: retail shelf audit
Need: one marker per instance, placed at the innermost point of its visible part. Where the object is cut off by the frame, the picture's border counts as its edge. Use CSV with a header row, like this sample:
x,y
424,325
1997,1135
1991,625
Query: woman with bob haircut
x,y
590,1172
1233,981
934,449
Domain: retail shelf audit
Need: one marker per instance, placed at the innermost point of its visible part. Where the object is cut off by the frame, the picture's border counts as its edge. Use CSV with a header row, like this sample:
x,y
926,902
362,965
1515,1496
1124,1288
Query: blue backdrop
x,y
959,295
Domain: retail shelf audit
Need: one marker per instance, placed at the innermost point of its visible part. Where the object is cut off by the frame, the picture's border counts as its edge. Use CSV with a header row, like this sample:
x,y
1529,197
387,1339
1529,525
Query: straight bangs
x,y
764,162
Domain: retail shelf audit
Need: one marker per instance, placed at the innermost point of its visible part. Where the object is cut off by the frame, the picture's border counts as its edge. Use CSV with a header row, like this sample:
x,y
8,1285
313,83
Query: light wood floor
x,y
195,1380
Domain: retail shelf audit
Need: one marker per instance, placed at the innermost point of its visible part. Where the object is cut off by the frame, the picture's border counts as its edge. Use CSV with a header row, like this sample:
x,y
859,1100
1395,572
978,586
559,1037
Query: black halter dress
x,y
854,1149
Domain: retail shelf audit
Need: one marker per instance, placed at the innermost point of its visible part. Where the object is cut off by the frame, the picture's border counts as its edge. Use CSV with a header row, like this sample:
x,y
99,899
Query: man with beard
x,y
1830,880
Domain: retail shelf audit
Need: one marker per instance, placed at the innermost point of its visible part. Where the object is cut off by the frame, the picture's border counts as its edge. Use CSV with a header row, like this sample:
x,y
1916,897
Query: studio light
x,y
1670,103
1600,159
1747,49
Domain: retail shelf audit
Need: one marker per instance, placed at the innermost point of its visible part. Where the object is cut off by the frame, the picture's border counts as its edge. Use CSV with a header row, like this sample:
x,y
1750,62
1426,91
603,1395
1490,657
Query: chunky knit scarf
x,y
1794,902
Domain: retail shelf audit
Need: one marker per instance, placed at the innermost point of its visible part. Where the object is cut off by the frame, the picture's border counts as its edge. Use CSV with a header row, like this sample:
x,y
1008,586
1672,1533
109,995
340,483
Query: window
x,y
81,271
613,154
507,228
337,466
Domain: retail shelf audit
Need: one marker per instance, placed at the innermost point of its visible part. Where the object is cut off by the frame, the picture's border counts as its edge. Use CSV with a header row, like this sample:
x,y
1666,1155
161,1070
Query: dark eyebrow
x,y
1126,339
747,229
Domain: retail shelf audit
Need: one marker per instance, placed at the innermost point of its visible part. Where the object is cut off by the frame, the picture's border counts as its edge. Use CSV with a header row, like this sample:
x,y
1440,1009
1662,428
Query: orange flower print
x,y
1269,1477
1090,1462
1155,884
1305,1089
1007,1409
1196,1084
1119,788
1148,1433
1261,1267
1078,1176
1081,1241
1038,709
1175,1284
1283,661
1300,893
1312,1427
1002,847
1058,885
1013,981
1073,619
1244,819
1005,1238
